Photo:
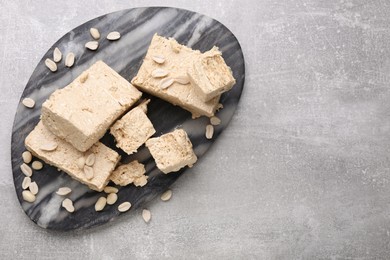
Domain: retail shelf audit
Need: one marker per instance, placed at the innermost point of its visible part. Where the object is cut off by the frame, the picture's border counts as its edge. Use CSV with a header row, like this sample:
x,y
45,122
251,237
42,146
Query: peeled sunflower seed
x,y
57,55
113,36
63,191
88,171
100,203
28,196
110,189
166,195
166,83
184,80
209,131
28,102
68,205
112,198
159,73
90,159
92,45
125,206
146,215
215,120
94,33
49,146
27,157
26,182
26,170
175,46
51,65
69,59
33,187
158,59
80,162
37,165
84,77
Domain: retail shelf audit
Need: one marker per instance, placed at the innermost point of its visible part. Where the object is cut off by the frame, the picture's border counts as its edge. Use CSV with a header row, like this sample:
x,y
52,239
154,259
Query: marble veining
x,y
137,27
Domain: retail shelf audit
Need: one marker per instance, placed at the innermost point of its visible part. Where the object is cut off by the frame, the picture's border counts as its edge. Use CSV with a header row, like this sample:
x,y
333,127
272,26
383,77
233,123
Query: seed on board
x,y
184,80
158,59
80,162
57,55
113,36
165,83
26,182
92,45
125,206
110,189
33,187
88,171
37,165
48,146
166,195
28,196
69,59
100,203
146,215
51,65
215,120
159,73
112,198
26,170
27,157
28,102
209,131
94,33
90,159
63,191
68,205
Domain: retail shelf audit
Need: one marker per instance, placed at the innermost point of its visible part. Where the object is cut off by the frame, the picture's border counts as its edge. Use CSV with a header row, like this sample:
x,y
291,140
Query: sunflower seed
x,y
37,165
215,120
51,65
166,195
84,77
57,55
68,205
112,198
90,159
26,182
100,203
33,188
27,157
184,80
49,146
88,171
110,189
125,206
69,59
209,131
166,83
28,196
94,33
146,215
175,46
26,170
159,73
63,191
158,59
80,162
92,45
113,36
28,102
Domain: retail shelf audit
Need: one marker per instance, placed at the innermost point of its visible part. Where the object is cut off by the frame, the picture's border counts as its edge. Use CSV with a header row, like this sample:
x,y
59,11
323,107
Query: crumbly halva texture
x,y
81,112
172,151
133,172
133,129
210,75
177,60
65,157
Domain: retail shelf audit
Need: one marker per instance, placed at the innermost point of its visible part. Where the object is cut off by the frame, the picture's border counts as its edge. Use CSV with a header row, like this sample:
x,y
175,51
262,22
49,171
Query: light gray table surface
x,y
302,172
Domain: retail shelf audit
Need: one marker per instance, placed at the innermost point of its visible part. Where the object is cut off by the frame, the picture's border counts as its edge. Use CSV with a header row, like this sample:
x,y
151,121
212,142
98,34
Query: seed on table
x,y
37,165
166,195
28,102
92,45
159,73
113,36
51,65
57,55
165,83
158,59
68,205
112,198
88,171
26,170
69,59
184,80
63,191
209,131
27,157
110,189
48,146
90,159
215,120
26,182
94,33
146,215
125,206
33,188
100,203
28,196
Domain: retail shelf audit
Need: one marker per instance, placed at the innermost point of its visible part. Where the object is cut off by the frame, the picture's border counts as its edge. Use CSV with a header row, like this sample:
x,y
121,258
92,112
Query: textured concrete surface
x,y
301,173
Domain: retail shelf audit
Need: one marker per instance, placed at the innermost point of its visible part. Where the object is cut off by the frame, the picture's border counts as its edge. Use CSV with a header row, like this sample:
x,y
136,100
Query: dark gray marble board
x,y
137,27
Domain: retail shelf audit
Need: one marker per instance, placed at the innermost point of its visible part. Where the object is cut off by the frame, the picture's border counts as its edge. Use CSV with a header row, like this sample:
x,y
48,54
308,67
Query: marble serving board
x,y
137,27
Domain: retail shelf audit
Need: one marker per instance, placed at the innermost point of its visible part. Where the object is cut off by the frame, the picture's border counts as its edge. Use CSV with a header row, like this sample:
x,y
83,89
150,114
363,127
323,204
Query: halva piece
x,y
133,172
81,112
65,157
172,151
163,73
210,75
